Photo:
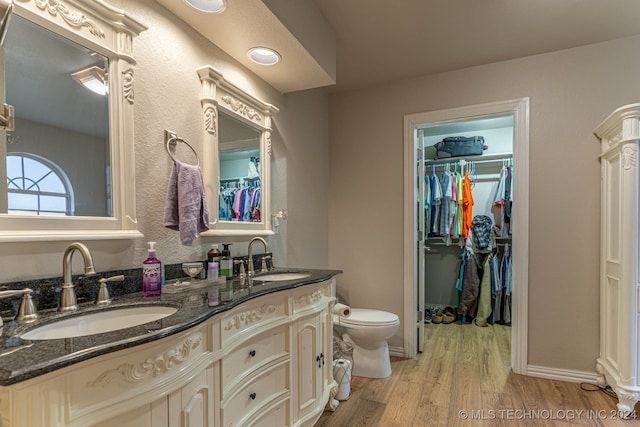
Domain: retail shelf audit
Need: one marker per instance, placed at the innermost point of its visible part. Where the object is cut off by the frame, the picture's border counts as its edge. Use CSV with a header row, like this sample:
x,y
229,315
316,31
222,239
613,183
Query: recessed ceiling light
x,y
209,6
93,78
263,56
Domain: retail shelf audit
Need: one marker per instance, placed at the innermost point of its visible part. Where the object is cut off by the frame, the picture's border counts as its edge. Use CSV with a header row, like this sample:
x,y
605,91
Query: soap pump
x,y
151,273
226,263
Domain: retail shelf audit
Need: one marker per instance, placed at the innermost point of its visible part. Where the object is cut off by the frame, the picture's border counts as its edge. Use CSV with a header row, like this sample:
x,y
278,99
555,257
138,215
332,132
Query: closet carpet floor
x,y
463,378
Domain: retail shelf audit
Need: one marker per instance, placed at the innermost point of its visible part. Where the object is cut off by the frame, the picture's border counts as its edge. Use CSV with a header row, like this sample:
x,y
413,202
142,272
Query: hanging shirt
x,y
499,198
481,226
459,214
467,208
508,198
437,199
454,205
444,221
427,205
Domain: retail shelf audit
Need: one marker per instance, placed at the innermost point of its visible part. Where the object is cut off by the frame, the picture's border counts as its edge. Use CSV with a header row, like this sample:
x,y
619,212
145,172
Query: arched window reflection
x,y
37,186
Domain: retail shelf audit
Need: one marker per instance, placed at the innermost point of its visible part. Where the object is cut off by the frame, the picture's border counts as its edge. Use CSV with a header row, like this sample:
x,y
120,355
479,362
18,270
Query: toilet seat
x,y
366,317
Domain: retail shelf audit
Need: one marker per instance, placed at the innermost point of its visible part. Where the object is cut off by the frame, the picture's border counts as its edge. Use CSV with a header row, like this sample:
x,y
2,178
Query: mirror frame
x,y
219,95
109,31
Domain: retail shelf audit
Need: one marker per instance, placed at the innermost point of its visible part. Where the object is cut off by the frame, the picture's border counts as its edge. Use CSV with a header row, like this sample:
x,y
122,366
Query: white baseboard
x,y
396,351
535,371
562,374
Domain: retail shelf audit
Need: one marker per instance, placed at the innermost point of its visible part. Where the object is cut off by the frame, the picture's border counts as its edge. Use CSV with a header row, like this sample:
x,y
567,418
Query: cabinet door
x,y
309,363
193,404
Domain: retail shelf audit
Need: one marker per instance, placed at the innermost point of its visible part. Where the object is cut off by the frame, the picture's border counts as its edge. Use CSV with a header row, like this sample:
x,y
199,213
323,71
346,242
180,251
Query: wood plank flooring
x,y
464,379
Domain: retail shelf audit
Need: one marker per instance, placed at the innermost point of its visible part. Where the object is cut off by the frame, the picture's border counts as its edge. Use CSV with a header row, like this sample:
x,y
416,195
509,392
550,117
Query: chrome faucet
x,y
264,242
68,300
27,311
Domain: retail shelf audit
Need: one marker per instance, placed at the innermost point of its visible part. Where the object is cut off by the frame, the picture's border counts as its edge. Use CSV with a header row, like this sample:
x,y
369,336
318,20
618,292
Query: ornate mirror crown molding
x,y
216,91
74,18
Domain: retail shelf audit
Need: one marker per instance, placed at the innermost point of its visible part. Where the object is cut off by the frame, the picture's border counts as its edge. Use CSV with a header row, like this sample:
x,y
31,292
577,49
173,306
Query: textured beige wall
x,y
571,92
167,96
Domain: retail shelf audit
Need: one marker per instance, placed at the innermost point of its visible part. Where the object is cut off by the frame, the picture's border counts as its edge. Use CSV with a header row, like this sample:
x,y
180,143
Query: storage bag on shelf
x,y
457,146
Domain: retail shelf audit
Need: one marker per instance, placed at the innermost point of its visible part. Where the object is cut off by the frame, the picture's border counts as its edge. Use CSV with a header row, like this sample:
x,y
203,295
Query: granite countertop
x,y
21,360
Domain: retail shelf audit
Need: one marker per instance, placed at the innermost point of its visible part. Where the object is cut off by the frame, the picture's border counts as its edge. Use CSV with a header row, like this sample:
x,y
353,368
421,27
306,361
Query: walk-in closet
x,y
466,199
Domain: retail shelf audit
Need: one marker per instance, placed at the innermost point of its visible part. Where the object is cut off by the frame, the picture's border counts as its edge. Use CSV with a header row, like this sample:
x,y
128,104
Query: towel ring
x,y
174,140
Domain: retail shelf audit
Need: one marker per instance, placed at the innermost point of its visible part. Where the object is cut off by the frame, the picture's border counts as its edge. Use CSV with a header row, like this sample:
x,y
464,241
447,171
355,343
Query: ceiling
x,y
374,42
380,42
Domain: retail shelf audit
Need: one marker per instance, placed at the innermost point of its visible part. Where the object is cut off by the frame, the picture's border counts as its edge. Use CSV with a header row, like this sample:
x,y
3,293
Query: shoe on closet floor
x,y
437,318
428,316
449,315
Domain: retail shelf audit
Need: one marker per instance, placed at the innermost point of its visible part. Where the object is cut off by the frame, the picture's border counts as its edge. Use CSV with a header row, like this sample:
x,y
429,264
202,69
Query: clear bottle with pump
x,y
213,292
226,263
151,274
213,255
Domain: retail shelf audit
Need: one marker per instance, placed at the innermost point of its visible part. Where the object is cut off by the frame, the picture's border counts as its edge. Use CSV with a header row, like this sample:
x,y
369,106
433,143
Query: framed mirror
x,y
67,72
237,150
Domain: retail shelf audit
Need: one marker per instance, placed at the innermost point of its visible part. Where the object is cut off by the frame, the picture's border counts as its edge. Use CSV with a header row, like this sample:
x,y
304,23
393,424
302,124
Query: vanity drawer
x,y
266,387
257,351
311,297
250,318
276,416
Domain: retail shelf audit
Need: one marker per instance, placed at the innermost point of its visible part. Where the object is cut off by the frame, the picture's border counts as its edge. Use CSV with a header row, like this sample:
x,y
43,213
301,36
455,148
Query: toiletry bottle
x,y
226,263
226,291
213,255
212,271
151,274
213,291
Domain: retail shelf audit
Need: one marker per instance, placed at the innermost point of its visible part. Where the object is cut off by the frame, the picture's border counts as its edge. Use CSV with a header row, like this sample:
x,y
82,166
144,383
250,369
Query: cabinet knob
x,y
318,361
322,357
252,353
253,396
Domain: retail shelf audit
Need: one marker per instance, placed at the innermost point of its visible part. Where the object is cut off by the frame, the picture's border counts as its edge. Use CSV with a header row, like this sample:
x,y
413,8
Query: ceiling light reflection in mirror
x,y
93,78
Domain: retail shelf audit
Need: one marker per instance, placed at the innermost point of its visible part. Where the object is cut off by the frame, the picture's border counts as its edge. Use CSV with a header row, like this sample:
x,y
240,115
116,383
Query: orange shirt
x,y
467,205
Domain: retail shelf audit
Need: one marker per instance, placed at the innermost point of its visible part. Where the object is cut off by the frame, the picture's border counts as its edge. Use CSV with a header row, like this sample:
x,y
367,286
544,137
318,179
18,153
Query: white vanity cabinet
x,y
619,361
253,365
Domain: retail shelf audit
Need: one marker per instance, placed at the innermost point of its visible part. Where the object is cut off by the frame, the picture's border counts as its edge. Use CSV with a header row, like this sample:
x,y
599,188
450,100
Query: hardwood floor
x,y
464,379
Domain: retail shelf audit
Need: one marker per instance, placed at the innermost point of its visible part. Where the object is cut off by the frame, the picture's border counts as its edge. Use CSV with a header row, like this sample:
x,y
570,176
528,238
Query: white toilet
x,y
368,331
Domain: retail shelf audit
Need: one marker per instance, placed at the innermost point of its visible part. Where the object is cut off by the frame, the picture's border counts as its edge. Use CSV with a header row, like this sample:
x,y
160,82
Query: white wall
x,y
571,92
167,96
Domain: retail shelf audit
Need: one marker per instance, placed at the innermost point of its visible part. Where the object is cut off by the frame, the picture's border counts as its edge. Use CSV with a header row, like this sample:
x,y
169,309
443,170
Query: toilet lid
x,y
366,317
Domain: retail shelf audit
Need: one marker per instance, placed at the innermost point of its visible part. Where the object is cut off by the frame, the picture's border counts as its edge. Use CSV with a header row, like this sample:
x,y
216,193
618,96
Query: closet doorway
x,y
419,129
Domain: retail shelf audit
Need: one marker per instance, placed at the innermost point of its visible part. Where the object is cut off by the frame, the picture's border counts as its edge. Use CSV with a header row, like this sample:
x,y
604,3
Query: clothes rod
x,y
467,159
239,179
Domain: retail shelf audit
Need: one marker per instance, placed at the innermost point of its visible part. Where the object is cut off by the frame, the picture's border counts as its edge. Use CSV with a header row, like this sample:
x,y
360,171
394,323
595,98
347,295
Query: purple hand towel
x,y
185,208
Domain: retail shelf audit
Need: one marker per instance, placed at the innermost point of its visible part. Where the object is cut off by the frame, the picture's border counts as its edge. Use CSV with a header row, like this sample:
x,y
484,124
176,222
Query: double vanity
x,y
263,359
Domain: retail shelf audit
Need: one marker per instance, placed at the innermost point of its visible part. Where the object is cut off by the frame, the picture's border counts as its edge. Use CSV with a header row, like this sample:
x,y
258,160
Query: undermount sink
x,y
274,277
99,322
